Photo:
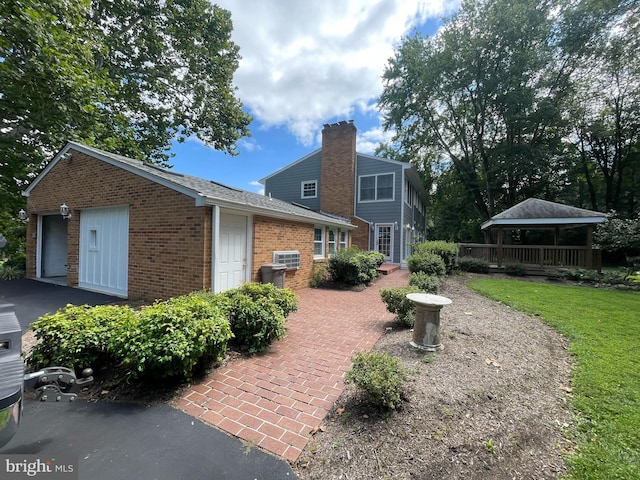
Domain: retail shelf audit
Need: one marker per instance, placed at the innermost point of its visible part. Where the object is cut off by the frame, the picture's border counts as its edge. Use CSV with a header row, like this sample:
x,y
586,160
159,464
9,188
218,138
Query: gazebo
x,y
539,214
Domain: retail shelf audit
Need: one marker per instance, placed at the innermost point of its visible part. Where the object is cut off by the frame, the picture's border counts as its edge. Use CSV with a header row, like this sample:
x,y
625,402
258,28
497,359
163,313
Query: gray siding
x,y
384,211
286,184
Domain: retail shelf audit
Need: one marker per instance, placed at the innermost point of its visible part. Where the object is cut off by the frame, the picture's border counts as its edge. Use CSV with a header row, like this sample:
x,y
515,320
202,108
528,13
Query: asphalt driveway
x,y
32,298
113,441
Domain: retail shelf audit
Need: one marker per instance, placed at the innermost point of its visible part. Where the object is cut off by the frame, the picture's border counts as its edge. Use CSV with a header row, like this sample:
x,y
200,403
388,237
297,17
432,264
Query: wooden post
x,y
589,259
500,238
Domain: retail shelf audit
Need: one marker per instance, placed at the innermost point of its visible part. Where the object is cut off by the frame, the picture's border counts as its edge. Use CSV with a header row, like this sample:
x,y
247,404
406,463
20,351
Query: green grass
x,y
603,327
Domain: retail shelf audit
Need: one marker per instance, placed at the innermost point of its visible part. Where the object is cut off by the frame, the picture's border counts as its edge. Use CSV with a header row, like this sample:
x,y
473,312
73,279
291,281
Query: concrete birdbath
x,y
426,329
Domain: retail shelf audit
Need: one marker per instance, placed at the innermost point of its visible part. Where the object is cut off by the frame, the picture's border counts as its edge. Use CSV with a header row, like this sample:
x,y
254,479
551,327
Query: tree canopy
x,y
519,99
128,76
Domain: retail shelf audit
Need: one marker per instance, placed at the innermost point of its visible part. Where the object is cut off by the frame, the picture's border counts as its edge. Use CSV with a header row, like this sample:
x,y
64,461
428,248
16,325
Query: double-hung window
x,y
344,239
318,242
376,187
333,241
309,189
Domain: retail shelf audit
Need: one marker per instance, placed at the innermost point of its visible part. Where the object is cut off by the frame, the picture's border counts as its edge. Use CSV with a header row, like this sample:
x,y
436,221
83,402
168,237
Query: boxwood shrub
x,y
174,337
78,337
426,283
447,251
473,265
355,267
380,376
428,263
257,313
397,302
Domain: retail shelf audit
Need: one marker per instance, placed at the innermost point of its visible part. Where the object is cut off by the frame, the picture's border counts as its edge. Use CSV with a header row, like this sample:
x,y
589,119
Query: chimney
x,y
338,168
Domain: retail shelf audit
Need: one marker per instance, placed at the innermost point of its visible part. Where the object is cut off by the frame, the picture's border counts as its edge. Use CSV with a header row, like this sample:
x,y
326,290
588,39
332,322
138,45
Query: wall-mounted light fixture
x,y
65,156
22,215
396,225
65,212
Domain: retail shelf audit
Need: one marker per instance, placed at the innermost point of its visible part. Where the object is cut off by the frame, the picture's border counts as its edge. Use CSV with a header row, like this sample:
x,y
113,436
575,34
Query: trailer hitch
x,y
55,384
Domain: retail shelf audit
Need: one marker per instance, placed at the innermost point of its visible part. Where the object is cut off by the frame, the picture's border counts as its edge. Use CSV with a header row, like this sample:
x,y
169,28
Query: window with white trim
x,y
333,241
309,189
376,187
318,242
344,239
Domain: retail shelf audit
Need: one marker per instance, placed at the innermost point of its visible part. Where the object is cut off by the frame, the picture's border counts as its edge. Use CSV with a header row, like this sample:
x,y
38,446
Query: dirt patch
x,y
492,404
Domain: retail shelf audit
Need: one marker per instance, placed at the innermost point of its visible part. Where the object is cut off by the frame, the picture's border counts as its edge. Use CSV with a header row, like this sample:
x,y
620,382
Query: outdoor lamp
x,y
22,215
64,211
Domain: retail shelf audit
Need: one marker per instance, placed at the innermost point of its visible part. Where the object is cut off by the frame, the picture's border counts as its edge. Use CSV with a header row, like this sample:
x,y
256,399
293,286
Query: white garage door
x,y
104,250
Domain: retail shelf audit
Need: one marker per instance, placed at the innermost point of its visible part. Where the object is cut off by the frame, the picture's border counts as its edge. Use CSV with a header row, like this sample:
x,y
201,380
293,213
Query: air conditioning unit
x,y
290,258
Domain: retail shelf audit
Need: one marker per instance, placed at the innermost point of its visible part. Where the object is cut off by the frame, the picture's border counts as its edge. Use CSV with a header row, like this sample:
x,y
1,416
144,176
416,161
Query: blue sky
x,y
304,64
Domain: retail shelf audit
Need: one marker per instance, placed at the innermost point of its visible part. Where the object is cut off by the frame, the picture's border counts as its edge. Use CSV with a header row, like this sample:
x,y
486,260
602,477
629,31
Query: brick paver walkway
x,y
275,399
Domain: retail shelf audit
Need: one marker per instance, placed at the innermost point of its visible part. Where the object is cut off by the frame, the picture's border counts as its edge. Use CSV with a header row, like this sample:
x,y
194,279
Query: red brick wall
x,y
271,234
169,237
360,235
338,169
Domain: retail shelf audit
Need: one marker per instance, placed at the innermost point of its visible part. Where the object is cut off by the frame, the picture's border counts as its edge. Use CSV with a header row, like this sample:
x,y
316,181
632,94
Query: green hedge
x,y
428,263
169,339
473,265
426,283
258,313
447,251
355,267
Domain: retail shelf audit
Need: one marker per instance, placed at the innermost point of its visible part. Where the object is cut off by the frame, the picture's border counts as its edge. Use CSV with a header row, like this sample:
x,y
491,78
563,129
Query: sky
x,y
305,64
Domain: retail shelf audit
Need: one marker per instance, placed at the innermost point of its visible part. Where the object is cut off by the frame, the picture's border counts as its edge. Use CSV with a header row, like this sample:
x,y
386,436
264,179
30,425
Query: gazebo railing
x,y
538,255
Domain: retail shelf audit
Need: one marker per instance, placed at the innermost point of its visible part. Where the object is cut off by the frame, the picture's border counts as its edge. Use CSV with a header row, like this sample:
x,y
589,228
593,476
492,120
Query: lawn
x,y
603,327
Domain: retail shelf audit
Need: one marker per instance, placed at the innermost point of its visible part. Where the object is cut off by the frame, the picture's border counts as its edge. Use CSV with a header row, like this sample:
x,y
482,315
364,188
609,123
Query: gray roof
x,y
535,212
205,192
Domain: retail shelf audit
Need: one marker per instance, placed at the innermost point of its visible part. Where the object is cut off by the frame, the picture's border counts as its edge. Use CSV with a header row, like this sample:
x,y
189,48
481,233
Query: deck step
x,y
387,268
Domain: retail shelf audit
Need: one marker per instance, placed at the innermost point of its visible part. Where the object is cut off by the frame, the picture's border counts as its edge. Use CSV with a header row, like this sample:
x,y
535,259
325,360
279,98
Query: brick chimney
x,y
338,168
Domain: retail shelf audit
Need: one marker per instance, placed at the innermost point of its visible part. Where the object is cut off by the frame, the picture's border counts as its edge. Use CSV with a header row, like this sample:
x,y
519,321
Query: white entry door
x,y
54,246
104,250
384,240
233,251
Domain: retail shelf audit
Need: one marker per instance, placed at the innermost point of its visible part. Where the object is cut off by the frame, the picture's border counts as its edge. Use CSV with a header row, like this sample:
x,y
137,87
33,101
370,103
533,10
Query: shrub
x,y
355,267
398,303
515,269
10,272
258,313
473,265
426,283
77,337
429,263
447,251
319,275
173,337
380,376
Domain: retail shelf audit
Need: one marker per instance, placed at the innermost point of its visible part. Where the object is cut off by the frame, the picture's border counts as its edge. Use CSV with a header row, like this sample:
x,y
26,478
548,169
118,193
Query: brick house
x,y
143,232
385,198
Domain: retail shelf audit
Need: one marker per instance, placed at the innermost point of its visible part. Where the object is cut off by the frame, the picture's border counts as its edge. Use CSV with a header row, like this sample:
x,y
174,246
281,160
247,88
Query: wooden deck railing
x,y
538,255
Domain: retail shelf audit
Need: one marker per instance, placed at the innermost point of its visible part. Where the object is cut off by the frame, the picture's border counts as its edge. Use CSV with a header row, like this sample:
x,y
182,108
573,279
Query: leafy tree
x,y
485,96
621,235
128,76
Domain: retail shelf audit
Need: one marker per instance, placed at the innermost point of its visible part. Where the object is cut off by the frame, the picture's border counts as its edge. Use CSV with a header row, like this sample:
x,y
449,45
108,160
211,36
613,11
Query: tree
x,y
485,96
621,235
606,116
128,76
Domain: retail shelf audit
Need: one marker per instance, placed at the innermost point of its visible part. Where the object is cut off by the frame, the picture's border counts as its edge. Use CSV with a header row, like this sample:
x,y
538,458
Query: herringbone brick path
x,y
275,399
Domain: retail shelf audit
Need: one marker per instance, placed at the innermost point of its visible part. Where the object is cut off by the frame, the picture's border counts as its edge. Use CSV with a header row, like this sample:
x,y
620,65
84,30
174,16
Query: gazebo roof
x,y
536,213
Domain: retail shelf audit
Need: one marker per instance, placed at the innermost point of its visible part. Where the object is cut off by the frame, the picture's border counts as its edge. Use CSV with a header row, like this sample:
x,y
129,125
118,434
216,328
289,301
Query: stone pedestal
x,y
426,329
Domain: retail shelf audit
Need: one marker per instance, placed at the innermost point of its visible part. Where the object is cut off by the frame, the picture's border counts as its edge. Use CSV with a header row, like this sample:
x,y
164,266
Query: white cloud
x,y
306,62
258,185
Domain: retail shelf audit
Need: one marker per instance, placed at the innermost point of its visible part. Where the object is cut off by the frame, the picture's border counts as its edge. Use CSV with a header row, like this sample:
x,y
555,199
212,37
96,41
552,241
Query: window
x,y
344,240
318,242
333,241
309,189
376,187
